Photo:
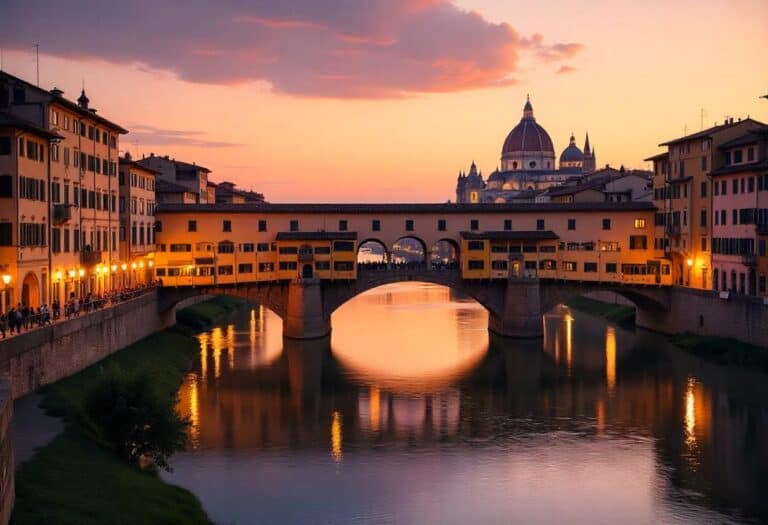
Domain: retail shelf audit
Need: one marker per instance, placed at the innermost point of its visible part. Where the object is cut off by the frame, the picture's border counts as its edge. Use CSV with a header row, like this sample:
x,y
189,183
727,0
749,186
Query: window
x,y
474,264
570,266
322,250
262,225
737,156
247,247
751,185
750,154
703,244
610,267
474,224
226,269
441,226
606,224
343,266
226,247
294,225
703,164
322,265
590,267
288,250
191,226
703,217
409,225
499,248
639,224
376,225
507,224
266,267
540,224
475,245
5,145
6,234
6,186
343,246
571,224
703,189
245,268
638,242
226,226
262,247
343,225
180,248
498,265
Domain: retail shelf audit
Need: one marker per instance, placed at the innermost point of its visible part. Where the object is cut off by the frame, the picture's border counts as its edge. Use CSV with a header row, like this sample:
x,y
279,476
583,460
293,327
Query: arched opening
x,y
372,255
444,255
30,291
306,271
418,336
409,252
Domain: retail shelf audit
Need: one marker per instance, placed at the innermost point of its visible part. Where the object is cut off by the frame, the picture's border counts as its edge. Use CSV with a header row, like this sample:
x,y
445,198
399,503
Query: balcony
x,y
749,260
90,258
761,228
62,213
673,230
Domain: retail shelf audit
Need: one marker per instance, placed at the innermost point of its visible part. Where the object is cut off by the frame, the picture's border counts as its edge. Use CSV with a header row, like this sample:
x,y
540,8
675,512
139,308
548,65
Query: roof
x,y
8,120
504,235
658,156
576,188
750,137
317,236
210,184
708,132
679,180
741,168
57,98
528,135
163,186
177,163
447,208
130,162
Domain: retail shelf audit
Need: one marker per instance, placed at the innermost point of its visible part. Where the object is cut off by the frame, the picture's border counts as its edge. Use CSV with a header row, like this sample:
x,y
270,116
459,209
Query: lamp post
x,y
6,280
690,266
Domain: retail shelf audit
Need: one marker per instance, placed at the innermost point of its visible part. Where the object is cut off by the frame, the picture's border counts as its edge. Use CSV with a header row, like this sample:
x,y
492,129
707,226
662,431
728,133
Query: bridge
x,y
515,306
301,260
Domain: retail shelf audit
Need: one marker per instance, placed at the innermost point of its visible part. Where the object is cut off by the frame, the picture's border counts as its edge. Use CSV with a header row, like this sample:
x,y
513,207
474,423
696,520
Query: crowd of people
x,y
413,265
24,317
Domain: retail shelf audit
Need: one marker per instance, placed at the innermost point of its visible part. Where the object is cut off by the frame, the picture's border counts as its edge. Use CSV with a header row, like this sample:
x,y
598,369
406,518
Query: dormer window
x,y
737,156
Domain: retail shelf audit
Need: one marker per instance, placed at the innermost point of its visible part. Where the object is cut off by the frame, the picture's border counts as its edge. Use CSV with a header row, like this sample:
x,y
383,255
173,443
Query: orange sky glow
x,y
335,105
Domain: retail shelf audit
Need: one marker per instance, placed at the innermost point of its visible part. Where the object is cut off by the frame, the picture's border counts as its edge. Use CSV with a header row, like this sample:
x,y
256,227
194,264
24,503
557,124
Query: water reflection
x,y
412,414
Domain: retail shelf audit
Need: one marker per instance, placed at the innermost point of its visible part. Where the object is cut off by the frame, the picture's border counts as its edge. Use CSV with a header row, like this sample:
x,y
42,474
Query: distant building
x,y
171,193
740,209
527,164
604,185
192,176
227,193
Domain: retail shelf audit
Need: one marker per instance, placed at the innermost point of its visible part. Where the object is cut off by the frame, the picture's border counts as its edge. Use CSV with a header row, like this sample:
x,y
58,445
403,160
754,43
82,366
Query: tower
x,y
590,162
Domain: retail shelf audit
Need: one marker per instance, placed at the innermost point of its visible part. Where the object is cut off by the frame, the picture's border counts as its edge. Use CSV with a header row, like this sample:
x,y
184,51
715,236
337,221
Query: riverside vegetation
x,y
86,475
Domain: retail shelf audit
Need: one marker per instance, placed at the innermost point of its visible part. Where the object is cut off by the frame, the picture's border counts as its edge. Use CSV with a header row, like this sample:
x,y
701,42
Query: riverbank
x,y
74,480
617,313
723,351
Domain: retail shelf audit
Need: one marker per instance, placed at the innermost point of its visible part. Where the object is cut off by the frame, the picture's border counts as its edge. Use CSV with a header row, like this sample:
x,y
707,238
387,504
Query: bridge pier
x,y
521,315
305,317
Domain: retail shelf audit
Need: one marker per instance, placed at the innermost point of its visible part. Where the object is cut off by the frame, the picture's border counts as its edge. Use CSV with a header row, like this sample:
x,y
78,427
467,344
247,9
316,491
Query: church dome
x,y
528,146
572,153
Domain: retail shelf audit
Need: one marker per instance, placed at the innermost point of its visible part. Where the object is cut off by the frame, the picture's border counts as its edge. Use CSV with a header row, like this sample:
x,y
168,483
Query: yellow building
x,y
137,221
73,200
683,196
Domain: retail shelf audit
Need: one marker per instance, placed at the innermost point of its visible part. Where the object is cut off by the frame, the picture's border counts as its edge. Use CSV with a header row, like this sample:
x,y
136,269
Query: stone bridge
x,y
515,306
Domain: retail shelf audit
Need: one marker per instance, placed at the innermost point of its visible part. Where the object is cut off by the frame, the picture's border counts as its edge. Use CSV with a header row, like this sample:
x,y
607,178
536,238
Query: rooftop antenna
x,y
702,118
37,62
685,130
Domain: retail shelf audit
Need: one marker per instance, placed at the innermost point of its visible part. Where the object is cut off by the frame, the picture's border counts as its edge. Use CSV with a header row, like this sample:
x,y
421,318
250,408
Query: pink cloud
x,y
325,48
564,69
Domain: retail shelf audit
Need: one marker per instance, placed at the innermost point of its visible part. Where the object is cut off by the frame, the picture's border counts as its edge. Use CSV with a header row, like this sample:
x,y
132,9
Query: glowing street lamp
x,y
114,268
71,274
123,266
690,266
6,281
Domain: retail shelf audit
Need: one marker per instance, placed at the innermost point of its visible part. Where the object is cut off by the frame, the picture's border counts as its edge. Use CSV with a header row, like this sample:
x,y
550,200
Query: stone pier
x,y
305,317
521,312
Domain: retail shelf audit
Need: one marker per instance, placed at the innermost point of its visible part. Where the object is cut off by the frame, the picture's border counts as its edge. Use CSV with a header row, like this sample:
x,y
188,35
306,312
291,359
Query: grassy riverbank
x,y
723,350
618,313
74,480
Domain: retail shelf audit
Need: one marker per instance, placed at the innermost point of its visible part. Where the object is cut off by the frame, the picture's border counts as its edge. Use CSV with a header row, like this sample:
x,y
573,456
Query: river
x,y
411,413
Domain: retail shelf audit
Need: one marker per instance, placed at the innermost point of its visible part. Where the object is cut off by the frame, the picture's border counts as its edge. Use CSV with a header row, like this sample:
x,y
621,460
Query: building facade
x,y
527,164
683,195
137,221
190,175
68,209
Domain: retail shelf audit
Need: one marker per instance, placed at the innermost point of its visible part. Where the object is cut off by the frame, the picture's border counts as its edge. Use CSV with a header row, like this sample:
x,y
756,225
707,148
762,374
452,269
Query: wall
x,y
739,317
45,355
7,492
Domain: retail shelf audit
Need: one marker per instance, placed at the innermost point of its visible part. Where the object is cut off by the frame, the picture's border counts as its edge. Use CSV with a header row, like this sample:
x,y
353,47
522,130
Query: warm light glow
x,y
203,355
141,264
133,266
231,346
123,266
690,262
336,437
690,413
71,274
114,268
568,341
151,264
81,272
610,359
375,408
6,279
58,275
194,411
217,339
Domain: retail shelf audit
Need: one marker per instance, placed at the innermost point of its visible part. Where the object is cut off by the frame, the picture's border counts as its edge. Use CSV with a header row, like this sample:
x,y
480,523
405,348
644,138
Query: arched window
x,y
532,164
514,165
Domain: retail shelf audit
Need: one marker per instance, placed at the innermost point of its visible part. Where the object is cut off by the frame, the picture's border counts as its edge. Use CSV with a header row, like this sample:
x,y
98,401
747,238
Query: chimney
x,y
56,92
127,155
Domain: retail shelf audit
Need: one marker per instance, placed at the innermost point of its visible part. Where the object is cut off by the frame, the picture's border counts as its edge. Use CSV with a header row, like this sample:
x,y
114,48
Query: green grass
x,y
723,350
618,313
74,480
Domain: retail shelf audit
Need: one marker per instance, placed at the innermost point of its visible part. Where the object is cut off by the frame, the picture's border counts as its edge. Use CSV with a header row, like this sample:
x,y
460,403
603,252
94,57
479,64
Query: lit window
x,y
639,224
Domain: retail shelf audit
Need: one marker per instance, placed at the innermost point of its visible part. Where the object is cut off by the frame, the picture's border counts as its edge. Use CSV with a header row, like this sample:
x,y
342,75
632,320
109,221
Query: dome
x,y
496,176
528,136
572,153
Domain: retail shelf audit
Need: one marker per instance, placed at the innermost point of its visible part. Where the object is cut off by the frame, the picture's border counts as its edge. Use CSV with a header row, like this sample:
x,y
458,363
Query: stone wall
x,y
7,493
47,354
705,313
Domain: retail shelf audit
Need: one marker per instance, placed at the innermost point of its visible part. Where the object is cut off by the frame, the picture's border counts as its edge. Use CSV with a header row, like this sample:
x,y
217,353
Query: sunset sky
x,y
386,100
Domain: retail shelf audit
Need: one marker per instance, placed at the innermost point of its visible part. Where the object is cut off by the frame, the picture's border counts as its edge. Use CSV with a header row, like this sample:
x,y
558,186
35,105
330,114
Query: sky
x,y
387,100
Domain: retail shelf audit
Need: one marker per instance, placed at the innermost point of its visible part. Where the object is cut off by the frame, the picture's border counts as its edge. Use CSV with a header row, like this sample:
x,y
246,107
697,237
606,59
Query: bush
x,y
129,415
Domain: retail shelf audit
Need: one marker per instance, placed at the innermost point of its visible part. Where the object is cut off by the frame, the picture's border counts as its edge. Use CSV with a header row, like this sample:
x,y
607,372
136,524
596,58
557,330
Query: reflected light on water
x,y
203,355
690,413
336,437
216,341
378,339
231,346
194,412
375,408
568,319
610,359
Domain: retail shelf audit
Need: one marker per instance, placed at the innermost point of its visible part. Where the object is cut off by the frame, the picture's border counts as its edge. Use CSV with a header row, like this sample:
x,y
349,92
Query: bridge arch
x,y
409,248
445,252
373,242
649,298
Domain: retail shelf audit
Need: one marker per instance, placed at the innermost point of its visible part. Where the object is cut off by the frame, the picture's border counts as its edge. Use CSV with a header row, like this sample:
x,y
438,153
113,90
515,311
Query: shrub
x,y
141,425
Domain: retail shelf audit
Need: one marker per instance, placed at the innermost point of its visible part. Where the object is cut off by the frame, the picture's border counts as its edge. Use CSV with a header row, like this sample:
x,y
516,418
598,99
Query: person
x,y
56,309
3,322
75,306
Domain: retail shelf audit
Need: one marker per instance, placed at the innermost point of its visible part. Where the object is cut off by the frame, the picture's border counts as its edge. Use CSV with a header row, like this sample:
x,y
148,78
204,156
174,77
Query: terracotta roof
x,y
130,162
163,186
316,236
741,168
504,235
708,132
659,156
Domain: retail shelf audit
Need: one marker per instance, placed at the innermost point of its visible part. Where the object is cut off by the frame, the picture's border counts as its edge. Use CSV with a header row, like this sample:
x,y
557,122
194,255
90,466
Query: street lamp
x,y
6,280
690,265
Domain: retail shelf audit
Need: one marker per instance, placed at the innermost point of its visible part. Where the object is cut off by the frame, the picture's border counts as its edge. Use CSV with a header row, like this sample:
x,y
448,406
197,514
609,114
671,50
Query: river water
x,y
411,413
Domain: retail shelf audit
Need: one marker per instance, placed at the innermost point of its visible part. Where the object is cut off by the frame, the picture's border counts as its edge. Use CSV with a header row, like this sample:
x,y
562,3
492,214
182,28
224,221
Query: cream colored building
x,y
74,197
137,221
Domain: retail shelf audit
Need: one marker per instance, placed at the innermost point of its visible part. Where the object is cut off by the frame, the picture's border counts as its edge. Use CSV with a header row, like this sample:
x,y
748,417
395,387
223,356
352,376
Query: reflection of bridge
x,y
515,306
